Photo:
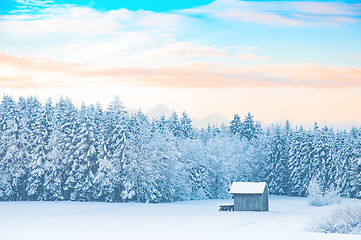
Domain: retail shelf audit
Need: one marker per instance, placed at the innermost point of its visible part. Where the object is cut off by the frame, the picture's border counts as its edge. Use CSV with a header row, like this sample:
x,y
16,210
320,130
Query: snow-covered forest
x,y
55,151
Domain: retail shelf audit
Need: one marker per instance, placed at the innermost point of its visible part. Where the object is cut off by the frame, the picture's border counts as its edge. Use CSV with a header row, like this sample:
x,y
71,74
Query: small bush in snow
x,y
317,197
345,220
331,196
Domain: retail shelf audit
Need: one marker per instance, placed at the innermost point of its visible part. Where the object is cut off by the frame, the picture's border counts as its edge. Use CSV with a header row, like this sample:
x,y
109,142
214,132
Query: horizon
x,y
280,60
210,120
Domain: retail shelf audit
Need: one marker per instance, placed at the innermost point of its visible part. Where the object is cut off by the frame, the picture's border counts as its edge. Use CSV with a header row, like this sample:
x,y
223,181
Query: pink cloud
x,y
33,72
313,75
35,63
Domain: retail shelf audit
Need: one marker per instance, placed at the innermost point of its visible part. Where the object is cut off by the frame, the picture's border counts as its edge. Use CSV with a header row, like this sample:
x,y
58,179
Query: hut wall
x,y
248,202
265,200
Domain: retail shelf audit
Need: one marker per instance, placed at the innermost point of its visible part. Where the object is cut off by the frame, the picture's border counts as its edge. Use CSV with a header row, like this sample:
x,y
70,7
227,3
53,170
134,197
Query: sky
x,y
280,60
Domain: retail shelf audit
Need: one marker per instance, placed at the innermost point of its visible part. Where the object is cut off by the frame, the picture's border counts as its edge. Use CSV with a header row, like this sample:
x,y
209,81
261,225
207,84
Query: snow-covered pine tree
x,y
277,164
236,125
226,162
65,124
160,123
14,147
84,155
168,171
27,115
334,165
139,178
288,133
342,162
39,141
8,168
256,153
355,174
186,126
322,156
175,125
195,161
116,130
105,175
53,165
354,132
299,162
54,168
305,171
249,129
294,161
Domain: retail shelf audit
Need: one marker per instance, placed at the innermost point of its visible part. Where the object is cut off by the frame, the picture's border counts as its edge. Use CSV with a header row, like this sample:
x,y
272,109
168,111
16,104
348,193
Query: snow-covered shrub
x,y
331,196
346,219
318,197
315,195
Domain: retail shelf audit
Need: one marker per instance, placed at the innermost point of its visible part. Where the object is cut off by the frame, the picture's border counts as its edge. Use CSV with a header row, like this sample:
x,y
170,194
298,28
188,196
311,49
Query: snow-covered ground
x,y
286,219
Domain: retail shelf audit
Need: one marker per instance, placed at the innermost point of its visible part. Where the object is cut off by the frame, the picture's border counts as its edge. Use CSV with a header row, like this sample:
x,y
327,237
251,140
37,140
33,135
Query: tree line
x,y
55,151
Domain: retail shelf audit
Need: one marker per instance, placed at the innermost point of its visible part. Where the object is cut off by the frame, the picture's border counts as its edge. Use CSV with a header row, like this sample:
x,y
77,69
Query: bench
x,y
226,207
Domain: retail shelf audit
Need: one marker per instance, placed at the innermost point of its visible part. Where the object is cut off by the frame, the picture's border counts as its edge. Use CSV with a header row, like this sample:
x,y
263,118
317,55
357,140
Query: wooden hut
x,y
250,196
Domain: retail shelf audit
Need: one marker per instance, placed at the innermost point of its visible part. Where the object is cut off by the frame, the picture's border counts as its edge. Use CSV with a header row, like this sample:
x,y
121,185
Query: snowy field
x,y
287,219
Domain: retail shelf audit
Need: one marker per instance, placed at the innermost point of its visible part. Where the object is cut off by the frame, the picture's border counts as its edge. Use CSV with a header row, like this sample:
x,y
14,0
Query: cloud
x,y
281,13
76,20
32,6
84,46
43,73
35,2
70,19
312,75
327,8
118,37
66,19
18,72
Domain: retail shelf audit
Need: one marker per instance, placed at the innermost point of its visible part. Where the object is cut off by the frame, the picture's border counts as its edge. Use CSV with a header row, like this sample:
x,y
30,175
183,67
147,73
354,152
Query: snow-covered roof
x,y
247,188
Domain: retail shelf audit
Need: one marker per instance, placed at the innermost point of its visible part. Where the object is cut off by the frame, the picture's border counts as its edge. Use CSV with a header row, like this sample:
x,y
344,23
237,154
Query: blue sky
x,y
302,58
157,6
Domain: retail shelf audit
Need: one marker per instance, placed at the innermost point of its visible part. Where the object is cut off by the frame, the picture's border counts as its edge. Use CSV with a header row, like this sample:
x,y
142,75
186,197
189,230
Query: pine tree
x,y
14,147
84,155
105,174
300,162
116,130
294,162
226,163
186,126
39,140
53,165
65,123
139,182
236,125
355,173
195,161
322,156
175,125
277,165
160,123
288,133
249,129
343,158
8,168
167,170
